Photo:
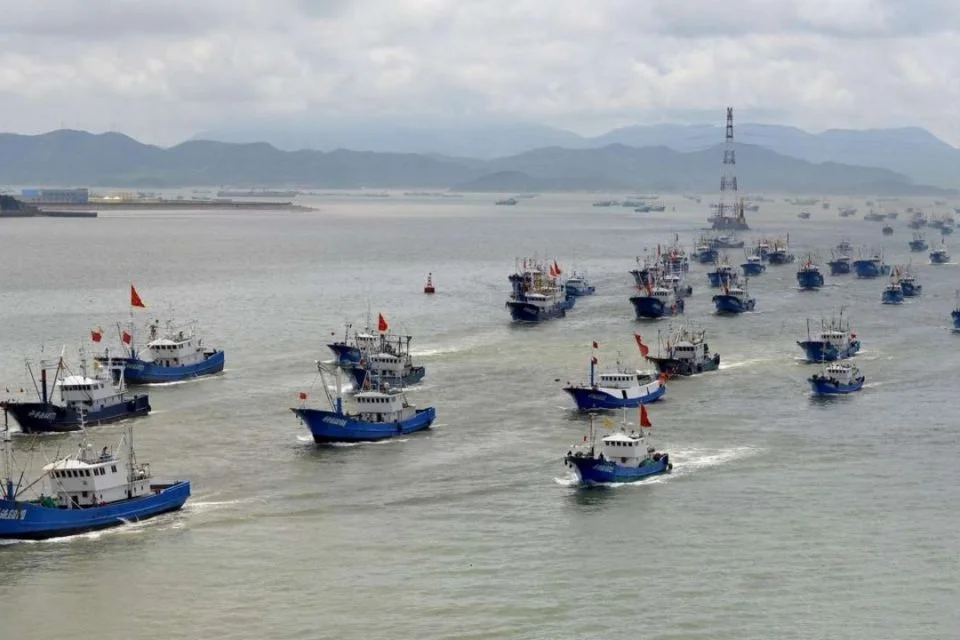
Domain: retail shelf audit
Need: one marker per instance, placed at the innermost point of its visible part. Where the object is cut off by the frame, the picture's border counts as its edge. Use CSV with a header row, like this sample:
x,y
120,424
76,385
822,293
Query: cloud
x,y
164,70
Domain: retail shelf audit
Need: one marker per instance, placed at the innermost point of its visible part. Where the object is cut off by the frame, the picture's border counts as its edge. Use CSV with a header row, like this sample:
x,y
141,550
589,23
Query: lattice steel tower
x,y
729,198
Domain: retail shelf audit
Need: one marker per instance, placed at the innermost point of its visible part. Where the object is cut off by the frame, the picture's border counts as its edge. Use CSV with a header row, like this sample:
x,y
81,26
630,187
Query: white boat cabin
x,y
90,479
842,373
383,406
624,379
92,394
175,349
688,351
388,364
833,337
736,292
626,448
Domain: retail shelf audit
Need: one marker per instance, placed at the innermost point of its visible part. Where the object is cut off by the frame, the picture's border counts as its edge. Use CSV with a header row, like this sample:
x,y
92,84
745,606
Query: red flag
x,y
135,300
595,345
126,337
382,325
664,377
96,335
553,272
644,349
303,396
594,360
556,268
644,420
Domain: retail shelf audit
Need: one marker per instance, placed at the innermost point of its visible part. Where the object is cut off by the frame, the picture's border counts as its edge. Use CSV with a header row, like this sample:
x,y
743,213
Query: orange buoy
x,y
429,288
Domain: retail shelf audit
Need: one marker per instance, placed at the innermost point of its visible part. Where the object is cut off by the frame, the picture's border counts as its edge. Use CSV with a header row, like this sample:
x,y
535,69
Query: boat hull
x,y
589,399
939,258
345,353
39,417
817,351
753,268
955,316
839,267
823,387
31,521
777,258
810,279
870,269
578,291
528,312
892,297
707,256
911,290
732,305
918,247
593,471
677,367
649,307
136,371
328,426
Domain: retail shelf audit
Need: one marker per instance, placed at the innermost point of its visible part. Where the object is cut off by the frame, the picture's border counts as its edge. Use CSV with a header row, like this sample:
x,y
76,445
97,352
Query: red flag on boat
x,y
382,325
135,300
644,420
556,268
303,396
553,272
853,335
594,360
664,377
126,337
96,335
595,345
644,349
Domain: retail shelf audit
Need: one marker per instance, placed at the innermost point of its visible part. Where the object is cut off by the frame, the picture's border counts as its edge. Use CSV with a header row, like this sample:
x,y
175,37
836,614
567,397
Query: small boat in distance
x,y
940,255
723,274
887,230
578,286
919,243
623,456
507,201
380,414
429,289
871,265
893,292
86,398
685,352
88,491
837,379
617,388
780,252
753,266
955,315
804,215
908,282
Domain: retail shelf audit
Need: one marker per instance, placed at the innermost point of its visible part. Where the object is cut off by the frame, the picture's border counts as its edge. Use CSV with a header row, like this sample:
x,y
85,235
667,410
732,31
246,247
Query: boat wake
x,y
176,383
743,363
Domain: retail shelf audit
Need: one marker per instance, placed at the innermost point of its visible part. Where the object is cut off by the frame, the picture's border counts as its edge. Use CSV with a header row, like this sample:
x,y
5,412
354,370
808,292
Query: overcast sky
x,y
161,70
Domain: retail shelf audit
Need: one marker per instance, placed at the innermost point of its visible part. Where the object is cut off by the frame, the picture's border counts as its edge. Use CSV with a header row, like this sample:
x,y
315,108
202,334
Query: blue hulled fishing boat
x,y
685,352
940,255
656,301
537,296
734,300
390,362
919,243
624,456
88,491
753,266
955,315
350,350
175,354
646,271
908,282
380,414
809,275
92,397
723,274
704,250
837,379
833,342
577,286
842,261
780,252
616,389
893,292
871,265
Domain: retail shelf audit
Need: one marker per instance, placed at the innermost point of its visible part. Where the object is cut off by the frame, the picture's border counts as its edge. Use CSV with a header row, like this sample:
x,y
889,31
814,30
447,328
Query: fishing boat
x,y
870,265
809,276
804,215
842,261
846,212
536,294
919,243
833,342
893,292
623,456
955,315
684,353
873,216
617,388
724,274
389,362
676,281
381,413
577,286
780,252
753,266
837,379
656,301
727,241
172,354
350,350
704,250
674,259
507,202
428,288
85,398
646,271
887,230
734,300
940,255
88,491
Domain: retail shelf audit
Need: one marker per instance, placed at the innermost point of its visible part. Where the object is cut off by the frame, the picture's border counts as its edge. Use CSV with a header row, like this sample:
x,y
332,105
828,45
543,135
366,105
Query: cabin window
x,y
113,468
83,494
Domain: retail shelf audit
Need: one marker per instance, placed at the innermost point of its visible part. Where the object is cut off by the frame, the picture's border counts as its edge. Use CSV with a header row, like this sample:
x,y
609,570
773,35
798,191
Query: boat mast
x,y
7,479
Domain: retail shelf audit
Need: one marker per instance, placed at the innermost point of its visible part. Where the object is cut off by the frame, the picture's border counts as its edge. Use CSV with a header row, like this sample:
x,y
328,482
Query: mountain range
x,y
69,157
912,151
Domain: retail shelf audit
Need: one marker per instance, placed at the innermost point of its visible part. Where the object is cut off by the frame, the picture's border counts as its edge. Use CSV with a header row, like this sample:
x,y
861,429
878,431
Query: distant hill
x,y
112,159
911,151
